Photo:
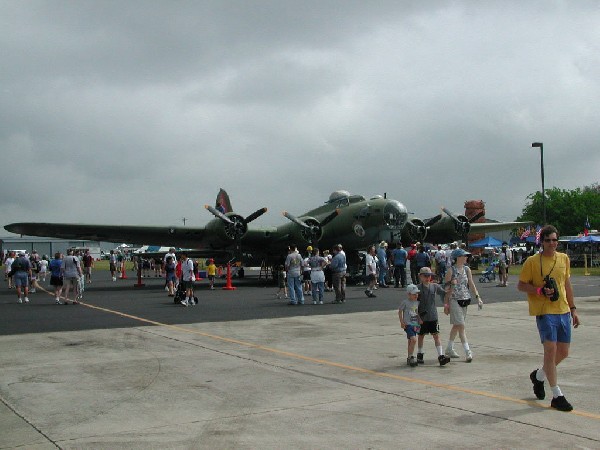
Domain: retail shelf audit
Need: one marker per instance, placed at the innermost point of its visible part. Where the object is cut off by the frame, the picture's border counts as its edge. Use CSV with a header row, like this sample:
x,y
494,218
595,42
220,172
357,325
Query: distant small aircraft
x,y
350,220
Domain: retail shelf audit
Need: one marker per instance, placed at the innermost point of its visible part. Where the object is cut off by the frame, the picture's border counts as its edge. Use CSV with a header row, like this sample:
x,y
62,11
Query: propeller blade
x,y
417,230
433,220
218,214
255,215
330,217
450,214
295,219
462,227
477,216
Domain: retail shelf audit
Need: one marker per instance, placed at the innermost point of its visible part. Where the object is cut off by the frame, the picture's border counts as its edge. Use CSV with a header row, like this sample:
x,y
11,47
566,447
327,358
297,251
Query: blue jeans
x,y
382,274
317,290
295,288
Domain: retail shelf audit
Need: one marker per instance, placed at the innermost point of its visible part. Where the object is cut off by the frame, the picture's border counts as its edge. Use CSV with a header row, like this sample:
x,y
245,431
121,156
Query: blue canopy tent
x,y
583,239
486,242
587,240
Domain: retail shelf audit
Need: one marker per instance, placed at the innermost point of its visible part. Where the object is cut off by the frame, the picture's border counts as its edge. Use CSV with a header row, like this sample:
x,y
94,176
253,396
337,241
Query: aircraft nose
x,y
395,215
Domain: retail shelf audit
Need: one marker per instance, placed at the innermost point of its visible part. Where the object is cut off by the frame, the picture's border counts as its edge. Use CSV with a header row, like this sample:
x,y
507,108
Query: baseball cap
x,y
425,270
459,252
412,289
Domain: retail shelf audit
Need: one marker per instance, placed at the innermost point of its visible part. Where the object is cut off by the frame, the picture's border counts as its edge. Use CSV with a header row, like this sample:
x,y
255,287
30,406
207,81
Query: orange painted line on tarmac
x,y
326,362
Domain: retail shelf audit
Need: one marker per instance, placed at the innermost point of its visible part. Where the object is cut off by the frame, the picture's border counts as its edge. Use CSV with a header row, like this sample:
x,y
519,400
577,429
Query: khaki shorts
x,y
458,314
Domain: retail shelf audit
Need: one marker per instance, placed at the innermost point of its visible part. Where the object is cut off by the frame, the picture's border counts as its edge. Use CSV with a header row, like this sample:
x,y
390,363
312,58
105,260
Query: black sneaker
x,y
538,386
420,358
443,359
561,404
412,362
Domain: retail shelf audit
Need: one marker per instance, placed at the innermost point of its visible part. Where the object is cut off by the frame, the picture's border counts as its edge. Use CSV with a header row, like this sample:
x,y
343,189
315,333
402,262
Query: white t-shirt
x,y
172,255
187,269
8,263
371,262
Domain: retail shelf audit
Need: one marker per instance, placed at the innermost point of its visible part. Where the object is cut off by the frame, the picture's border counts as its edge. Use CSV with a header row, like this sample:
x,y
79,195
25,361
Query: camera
x,y
550,283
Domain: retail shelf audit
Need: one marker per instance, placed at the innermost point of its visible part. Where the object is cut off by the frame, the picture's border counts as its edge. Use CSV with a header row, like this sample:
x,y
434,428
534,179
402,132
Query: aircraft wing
x,y
175,236
499,226
453,228
197,238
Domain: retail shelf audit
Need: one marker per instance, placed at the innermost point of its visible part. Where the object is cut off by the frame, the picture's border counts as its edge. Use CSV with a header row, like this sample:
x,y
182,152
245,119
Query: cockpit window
x,y
343,202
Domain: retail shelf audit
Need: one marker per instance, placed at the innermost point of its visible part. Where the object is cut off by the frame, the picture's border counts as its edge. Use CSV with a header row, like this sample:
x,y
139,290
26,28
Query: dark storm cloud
x,y
149,107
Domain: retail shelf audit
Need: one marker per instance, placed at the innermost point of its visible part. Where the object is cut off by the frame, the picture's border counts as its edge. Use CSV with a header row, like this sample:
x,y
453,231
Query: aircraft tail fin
x,y
223,199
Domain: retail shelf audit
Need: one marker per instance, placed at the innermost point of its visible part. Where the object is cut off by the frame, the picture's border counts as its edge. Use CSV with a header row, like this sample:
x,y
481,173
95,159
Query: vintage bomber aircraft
x,y
351,220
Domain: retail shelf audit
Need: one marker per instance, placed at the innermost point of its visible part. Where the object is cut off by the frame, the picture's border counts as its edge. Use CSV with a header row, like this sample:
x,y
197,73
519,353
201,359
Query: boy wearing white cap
x,y
408,312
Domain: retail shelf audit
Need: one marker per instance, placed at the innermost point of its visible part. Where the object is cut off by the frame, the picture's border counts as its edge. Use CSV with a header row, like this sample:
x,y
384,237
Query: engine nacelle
x,y
227,232
312,232
462,226
414,231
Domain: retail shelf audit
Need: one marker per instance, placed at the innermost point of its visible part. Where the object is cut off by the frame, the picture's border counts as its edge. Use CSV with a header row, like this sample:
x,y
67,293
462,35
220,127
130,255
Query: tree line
x,y
567,210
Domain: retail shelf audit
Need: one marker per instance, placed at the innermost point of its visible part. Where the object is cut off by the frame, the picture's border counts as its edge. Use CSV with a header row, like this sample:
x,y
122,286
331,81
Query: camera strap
x,y
541,264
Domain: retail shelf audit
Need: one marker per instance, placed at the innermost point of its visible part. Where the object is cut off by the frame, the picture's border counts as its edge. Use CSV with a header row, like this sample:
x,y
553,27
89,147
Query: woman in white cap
x,y
458,283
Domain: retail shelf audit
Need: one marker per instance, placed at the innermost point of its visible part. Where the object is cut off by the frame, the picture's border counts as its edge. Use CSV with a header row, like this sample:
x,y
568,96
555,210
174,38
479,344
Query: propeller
x,y
476,217
218,214
312,229
235,225
432,220
461,224
416,230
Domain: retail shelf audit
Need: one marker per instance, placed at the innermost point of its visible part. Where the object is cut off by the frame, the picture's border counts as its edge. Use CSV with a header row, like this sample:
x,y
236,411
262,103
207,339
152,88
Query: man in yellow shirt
x,y
546,278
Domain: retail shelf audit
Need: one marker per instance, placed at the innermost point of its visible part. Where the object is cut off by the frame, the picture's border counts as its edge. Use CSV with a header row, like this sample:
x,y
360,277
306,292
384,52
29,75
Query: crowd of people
x,y
68,274
445,274
545,279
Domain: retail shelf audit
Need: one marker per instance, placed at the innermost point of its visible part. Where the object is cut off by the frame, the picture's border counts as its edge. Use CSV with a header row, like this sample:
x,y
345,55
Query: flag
x,y
525,233
538,232
586,226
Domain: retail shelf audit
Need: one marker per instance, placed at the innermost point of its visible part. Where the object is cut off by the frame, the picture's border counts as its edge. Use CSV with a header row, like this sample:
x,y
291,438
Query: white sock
x,y
556,392
466,347
540,375
440,350
420,350
450,345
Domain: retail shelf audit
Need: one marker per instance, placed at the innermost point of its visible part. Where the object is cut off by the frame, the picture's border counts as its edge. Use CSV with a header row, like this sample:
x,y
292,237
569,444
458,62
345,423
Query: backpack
x,y
16,266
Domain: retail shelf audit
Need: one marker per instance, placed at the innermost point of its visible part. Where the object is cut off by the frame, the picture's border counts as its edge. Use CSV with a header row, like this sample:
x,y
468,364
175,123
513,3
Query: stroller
x,y
180,295
489,274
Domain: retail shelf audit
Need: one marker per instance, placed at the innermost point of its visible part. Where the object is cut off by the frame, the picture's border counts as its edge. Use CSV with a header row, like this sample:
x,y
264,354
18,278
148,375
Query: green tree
x,y
567,210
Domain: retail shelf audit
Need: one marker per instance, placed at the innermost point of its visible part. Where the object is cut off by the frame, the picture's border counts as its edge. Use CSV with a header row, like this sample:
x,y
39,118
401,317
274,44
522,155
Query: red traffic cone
x,y
228,286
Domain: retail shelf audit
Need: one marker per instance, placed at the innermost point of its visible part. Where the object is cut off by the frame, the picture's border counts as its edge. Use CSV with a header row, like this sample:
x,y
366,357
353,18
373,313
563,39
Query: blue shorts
x,y
412,330
171,277
554,327
21,279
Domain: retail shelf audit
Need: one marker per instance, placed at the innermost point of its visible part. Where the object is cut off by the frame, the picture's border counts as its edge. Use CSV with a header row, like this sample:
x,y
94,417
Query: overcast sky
x,y
137,112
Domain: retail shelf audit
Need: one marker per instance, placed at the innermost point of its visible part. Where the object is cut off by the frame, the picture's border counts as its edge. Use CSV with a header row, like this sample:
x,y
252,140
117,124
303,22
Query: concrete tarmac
x,y
330,376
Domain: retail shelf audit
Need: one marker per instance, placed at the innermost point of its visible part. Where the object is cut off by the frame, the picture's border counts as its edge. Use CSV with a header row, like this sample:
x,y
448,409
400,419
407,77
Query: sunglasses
x,y
550,240
428,275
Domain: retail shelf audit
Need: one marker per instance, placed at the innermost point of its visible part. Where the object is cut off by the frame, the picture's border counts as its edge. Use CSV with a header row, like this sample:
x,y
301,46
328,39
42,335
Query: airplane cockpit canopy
x,y
338,195
343,198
